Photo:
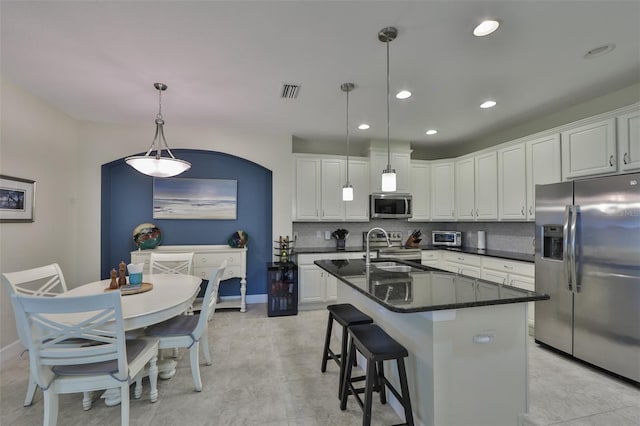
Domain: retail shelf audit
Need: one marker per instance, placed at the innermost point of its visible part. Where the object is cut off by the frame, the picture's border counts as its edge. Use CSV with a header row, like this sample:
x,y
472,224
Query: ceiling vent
x,y
289,91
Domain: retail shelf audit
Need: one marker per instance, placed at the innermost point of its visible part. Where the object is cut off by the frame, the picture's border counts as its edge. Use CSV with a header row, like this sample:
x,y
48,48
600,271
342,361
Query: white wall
x,y
65,157
37,142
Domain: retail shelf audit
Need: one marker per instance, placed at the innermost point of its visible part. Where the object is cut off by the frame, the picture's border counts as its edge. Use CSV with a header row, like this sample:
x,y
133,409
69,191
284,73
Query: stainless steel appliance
x,y
397,250
446,238
390,205
587,258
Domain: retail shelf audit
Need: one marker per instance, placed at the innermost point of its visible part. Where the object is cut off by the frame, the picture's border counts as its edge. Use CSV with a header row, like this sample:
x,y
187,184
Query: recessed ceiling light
x,y
488,104
403,94
431,132
364,126
599,51
485,28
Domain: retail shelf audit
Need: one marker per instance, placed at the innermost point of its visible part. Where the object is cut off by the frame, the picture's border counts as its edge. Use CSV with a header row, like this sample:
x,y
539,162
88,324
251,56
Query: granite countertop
x,y
510,255
423,288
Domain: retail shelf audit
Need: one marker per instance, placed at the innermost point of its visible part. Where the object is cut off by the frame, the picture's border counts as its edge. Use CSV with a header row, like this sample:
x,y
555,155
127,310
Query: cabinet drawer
x,y
430,255
212,260
467,259
232,271
141,258
509,266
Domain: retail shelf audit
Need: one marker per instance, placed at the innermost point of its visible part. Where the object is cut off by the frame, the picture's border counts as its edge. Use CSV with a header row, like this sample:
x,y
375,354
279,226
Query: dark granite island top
x,y
423,288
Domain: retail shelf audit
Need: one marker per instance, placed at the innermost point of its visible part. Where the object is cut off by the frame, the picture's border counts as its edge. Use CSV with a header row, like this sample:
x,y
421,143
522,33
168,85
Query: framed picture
x,y
194,198
17,199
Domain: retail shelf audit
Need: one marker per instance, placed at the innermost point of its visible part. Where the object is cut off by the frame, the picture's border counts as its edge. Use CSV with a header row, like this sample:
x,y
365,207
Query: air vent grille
x,y
289,91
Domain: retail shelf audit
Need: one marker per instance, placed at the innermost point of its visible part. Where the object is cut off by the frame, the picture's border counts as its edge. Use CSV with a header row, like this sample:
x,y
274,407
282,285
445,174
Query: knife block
x,y
412,242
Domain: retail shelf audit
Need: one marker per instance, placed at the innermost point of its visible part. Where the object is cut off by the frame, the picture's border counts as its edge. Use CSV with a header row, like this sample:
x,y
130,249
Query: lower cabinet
x,y
461,263
315,285
430,258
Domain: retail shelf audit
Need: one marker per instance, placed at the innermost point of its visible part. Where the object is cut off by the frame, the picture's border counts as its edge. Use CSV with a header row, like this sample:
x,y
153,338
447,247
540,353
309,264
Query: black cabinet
x,y
282,289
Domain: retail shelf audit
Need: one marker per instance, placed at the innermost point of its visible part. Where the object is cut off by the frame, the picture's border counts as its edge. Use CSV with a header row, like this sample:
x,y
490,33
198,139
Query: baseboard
x,y
10,352
250,298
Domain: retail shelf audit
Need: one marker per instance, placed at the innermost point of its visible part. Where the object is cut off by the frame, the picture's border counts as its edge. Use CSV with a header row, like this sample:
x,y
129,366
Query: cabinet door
x,y
525,283
333,177
543,166
451,266
358,209
400,161
443,288
465,289
331,287
307,182
495,276
589,150
442,191
419,189
512,182
487,291
465,188
470,271
377,163
486,186
629,141
311,282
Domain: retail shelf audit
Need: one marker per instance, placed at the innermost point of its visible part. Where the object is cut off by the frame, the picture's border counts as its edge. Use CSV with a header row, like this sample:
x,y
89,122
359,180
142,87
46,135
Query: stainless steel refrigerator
x,y
587,258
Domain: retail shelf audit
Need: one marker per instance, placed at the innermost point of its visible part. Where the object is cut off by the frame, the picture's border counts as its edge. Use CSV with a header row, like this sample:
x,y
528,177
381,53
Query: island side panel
x,y
454,380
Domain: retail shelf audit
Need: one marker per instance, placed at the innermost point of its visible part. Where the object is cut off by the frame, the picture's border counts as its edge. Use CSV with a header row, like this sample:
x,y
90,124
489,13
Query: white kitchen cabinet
x,y
419,178
629,141
315,286
400,162
543,166
512,183
465,289
358,209
462,263
589,149
476,187
318,189
430,258
442,190
465,188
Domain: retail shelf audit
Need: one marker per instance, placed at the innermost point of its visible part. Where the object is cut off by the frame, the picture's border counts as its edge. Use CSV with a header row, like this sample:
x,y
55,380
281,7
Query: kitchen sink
x,y
395,267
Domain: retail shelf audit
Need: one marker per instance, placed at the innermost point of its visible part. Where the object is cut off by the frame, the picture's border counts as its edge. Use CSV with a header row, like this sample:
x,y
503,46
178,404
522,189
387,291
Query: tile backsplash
x,y
505,236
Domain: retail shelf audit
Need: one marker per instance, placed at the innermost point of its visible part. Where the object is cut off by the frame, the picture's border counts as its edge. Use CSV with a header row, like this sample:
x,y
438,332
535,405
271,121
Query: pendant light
x,y
157,165
387,35
347,189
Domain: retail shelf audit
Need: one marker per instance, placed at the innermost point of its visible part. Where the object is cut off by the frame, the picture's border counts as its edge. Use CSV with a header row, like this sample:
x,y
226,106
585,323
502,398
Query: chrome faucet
x,y
368,253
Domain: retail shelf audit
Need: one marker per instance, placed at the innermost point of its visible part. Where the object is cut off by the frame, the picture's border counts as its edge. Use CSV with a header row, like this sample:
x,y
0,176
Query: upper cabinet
x,y
476,187
512,182
543,166
589,149
442,189
629,141
419,178
318,189
400,162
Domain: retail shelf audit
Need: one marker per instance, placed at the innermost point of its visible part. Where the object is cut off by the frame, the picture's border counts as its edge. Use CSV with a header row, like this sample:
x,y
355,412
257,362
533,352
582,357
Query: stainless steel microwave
x,y
446,238
390,205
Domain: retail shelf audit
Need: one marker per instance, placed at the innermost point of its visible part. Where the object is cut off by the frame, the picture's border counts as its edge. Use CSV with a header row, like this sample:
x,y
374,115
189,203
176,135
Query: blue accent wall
x,y
127,201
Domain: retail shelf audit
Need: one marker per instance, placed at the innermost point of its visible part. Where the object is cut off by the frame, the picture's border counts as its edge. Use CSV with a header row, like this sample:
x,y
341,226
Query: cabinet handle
x,y
508,267
530,207
471,212
522,211
611,161
504,281
476,212
626,155
461,259
452,213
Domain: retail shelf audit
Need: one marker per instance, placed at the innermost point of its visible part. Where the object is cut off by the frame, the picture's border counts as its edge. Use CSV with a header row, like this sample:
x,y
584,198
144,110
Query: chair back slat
x,y
42,281
48,323
209,300
171,263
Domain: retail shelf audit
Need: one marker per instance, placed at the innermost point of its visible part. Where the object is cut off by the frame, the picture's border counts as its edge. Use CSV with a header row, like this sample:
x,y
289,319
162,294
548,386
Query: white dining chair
x,y
106,360
171,263
192,331
46,281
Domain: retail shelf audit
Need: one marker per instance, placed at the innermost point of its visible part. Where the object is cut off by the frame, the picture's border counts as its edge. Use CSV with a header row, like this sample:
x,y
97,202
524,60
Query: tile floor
x,y
266,371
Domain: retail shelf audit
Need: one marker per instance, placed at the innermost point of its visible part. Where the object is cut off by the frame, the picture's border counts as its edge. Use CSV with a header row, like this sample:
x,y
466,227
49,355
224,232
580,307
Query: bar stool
x,y
376,346
346,315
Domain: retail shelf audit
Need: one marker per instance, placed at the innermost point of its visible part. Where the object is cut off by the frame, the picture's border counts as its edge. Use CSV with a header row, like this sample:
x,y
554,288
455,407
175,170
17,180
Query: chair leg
x,y
204,345
138,389
346,381
404,388
153,379
381,382
50,406
343,358
327,341
87,400
368,392
124,404
31,392
195,366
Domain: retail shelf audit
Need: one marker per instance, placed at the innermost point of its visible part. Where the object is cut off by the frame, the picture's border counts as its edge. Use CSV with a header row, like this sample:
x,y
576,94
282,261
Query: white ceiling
x,y
225,62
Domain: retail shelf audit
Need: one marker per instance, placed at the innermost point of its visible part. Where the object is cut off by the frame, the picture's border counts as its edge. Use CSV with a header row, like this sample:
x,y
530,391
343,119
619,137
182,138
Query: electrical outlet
x,y
318,234
327,235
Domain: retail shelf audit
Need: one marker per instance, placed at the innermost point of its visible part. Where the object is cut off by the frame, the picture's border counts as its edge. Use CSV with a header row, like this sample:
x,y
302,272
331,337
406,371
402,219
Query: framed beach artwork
x,y
17,199
177,198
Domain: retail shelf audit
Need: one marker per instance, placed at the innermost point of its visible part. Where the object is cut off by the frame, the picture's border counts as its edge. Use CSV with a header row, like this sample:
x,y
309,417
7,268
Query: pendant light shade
x,y
347,189
156,165
387,35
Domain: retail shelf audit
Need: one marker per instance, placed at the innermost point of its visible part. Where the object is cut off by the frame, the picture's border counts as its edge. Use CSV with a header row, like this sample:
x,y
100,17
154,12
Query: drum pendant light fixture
x,y
156,165
347,189
387,35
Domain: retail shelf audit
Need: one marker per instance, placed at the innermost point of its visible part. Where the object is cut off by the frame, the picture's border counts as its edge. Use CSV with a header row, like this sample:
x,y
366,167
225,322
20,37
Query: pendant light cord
x,y
347,137
388,114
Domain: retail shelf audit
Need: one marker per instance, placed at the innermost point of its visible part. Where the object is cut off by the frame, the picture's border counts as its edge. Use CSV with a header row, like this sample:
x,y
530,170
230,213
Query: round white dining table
x,y
171,295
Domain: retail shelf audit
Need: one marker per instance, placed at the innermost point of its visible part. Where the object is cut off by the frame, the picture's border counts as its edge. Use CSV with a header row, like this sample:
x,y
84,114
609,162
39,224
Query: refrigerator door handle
x,y
574,220
565,247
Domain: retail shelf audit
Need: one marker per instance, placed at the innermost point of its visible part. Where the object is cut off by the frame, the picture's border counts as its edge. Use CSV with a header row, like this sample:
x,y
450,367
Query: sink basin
x,y
394,267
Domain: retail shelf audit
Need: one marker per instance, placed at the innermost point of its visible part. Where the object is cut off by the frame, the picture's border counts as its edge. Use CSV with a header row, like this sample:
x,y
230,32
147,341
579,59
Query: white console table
x,y
205,258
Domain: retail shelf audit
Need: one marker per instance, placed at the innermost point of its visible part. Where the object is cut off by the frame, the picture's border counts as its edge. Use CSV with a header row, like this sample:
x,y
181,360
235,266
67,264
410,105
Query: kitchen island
x,y
466,337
